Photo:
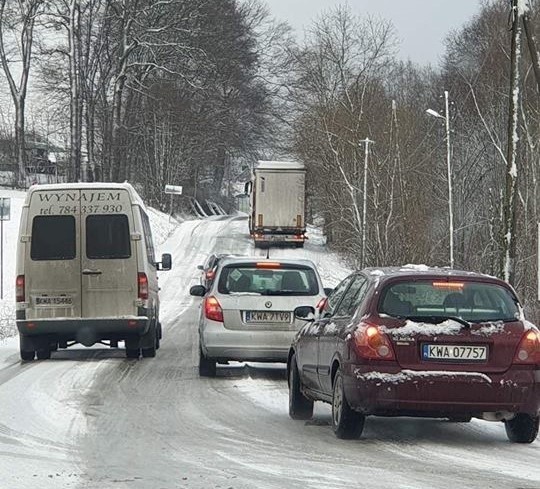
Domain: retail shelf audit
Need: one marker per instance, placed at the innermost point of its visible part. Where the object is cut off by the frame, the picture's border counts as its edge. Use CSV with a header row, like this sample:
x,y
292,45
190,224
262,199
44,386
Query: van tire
x,y
133,353
159,335
149,352
28,355
148,342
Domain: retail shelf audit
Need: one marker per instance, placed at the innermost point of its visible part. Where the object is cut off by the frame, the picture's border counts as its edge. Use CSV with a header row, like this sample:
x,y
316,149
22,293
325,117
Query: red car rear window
x,y
472,301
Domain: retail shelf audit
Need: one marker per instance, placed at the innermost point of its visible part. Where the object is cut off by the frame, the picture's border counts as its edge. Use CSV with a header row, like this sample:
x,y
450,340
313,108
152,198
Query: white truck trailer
x,y
277,203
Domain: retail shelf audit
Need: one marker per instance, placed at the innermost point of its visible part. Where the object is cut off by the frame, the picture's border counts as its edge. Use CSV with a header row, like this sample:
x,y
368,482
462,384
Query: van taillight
x,y
372,343
142,286
19,288
528,351
212,309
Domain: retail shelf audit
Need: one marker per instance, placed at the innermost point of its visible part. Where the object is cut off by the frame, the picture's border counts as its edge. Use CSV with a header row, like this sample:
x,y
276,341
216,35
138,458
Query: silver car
x,y
248,312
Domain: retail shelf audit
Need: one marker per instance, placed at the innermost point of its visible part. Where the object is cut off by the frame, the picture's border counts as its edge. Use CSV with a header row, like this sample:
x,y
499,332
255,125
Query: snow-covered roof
x,y
419,270
257,259
279,165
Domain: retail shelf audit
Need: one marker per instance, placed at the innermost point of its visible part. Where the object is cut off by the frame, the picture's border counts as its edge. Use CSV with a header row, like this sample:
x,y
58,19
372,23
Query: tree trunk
x,y
533,47
20,142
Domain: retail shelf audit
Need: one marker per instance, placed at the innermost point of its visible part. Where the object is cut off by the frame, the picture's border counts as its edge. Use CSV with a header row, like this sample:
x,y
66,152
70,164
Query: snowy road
x,y
93,419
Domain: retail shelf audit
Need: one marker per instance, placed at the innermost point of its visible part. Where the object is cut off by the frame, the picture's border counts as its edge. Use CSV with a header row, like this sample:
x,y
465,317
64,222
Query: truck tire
x,y
26,348
28,355
44,354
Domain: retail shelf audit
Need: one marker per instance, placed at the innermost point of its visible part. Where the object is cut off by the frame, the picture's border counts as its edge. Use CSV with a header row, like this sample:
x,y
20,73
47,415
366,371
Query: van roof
x,y
136,198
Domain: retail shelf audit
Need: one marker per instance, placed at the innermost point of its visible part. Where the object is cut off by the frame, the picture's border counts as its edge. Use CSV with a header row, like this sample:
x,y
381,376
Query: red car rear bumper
x,y
392,391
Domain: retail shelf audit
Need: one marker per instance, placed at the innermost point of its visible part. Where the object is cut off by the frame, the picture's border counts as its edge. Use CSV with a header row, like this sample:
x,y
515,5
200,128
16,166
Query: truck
x,y
277,204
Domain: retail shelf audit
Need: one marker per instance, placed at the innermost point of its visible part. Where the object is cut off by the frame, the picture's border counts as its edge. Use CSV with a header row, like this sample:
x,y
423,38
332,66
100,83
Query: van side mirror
x,y
200,267
328,290
305,313
247,188
197,291
166,262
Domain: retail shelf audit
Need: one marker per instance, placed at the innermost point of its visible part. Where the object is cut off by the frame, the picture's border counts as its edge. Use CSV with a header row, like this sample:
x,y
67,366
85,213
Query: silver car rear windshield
x,y
266,279
471,301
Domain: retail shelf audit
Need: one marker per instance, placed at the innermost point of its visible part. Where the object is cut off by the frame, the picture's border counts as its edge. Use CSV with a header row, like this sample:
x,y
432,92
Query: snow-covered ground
x,y
90,418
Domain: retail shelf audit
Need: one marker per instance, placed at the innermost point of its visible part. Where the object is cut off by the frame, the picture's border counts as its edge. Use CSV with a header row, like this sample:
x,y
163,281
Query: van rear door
x,y
109,256
52,263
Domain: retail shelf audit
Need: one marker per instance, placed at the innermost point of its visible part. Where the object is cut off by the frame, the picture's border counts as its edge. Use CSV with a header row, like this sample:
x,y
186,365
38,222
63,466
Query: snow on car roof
x,y
257,259
419,270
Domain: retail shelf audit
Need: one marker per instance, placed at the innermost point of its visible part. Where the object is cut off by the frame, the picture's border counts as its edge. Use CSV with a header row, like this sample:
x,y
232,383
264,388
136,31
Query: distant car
x,y
248,312
209,268
432,343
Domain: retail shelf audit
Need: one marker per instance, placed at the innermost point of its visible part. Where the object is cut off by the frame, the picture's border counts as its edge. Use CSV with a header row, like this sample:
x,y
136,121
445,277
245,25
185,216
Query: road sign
x,y
5,208
173,189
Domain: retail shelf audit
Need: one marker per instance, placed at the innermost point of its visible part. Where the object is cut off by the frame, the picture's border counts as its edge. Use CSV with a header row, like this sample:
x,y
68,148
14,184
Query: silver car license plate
x,y
267,317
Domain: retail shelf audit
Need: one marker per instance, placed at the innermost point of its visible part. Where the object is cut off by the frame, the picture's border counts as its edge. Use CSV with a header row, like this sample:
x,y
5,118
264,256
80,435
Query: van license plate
x,y
457,353
268,317
62,301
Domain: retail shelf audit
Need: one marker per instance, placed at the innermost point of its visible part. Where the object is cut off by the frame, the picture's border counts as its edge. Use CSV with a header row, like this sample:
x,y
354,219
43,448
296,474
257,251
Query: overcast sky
x,y
421,25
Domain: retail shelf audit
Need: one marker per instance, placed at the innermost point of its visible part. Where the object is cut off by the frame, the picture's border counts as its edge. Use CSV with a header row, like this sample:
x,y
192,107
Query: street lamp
x,y
446,118
367,142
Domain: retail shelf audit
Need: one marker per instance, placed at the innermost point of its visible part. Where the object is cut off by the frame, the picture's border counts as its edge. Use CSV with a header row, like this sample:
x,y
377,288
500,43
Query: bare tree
x,y
17,21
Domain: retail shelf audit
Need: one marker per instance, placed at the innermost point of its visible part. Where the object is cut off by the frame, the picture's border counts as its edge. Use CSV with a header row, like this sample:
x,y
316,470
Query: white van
x,y
86,271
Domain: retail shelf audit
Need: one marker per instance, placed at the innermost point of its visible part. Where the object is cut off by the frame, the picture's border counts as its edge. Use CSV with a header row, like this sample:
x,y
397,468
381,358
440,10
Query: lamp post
x,y
446,118
367,142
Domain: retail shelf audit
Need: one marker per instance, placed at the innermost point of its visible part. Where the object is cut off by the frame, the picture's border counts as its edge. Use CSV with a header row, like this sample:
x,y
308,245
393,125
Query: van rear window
x,y
53,238
107,237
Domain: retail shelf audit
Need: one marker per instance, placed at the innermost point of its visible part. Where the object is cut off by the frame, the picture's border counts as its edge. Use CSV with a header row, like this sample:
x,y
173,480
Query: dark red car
x,y
416,341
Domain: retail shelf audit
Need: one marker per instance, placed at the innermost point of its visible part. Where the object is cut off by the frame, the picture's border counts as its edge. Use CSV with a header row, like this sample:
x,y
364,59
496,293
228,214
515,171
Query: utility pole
x,y
510,199
367,142
446,118
449,172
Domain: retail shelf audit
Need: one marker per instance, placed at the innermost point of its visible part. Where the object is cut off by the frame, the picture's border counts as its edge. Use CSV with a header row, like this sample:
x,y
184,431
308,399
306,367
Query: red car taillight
x,y
19,288
212,309
142,286
372,343
528,351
